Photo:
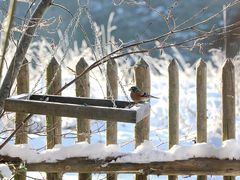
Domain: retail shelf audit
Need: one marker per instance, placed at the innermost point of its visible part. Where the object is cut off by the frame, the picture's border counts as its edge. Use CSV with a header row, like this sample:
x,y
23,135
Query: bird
x,y
139,96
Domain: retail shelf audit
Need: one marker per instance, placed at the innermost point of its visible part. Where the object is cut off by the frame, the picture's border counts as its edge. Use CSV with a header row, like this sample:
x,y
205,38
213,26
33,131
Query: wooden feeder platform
x,y
99,109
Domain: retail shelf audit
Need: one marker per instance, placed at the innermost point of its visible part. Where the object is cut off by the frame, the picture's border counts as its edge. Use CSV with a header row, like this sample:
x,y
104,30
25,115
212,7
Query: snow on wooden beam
x,y
196,166
100,109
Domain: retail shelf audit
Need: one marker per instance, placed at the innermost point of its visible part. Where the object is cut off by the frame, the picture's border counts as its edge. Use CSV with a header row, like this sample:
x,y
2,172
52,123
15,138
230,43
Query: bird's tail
x,y
154,97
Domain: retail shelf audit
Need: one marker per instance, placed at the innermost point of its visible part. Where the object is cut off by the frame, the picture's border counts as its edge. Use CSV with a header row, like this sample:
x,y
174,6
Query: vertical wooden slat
x,y
83,90
22,87
143,81
173,112
228,103
53,123
83,125
201,91
112,90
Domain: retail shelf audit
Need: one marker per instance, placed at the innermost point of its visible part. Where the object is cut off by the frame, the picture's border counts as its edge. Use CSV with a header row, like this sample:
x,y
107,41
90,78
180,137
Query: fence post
x,y
22,87
201,92
83,125
173,111
112,92
53,123
228,103
143,81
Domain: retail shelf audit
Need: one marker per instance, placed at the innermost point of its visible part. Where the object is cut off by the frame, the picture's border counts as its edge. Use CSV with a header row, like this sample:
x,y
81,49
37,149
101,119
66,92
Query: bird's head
x,y
134,89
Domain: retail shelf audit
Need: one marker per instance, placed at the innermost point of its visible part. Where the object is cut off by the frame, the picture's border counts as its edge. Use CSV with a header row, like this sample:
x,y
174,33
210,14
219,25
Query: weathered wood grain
x,y
22,133
201,95
130,115
142,128
83,125
228,103
53,122
22,87
173,107
112,94
196,166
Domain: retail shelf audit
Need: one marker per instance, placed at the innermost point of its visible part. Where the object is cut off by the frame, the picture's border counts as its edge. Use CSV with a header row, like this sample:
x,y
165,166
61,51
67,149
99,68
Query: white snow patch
x,y
81,149
144,153
60,152
230,150
5,171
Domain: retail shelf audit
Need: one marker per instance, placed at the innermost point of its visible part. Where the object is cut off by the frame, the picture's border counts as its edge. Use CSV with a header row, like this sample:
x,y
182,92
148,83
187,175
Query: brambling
x,y
139,96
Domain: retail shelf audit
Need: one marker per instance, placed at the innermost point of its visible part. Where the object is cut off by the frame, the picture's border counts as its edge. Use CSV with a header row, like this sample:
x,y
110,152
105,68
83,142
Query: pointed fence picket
x,y
112,93
22,87
83,125
228,103
173,110
53,123
143,81
201,93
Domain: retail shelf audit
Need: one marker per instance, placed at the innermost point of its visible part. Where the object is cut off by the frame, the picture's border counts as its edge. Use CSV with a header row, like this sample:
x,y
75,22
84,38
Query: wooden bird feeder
x,y
99,109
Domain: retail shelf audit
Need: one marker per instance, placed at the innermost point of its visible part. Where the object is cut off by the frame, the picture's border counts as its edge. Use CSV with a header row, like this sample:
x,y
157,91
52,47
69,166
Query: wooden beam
x,y
196,166
68,107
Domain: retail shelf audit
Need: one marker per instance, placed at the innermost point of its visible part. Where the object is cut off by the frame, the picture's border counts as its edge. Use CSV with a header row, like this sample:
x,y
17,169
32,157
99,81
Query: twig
x,y
7,30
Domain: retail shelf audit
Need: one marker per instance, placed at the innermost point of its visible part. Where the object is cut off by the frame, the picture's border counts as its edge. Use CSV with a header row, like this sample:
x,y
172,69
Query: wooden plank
x,y
22,133
142,128
196,166
72,100
228,103
201,95
83,125
74,110
53,123
22,87
79,100
142,75
228,100
112,94
201,92
173,111
193,166
83,90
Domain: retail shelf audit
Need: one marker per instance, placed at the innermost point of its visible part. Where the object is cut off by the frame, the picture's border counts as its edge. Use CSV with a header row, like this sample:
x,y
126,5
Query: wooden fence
x,y
197,166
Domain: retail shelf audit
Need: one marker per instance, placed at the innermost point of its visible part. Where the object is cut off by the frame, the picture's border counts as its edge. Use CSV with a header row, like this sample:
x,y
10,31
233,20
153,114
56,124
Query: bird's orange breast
x,y
137,97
